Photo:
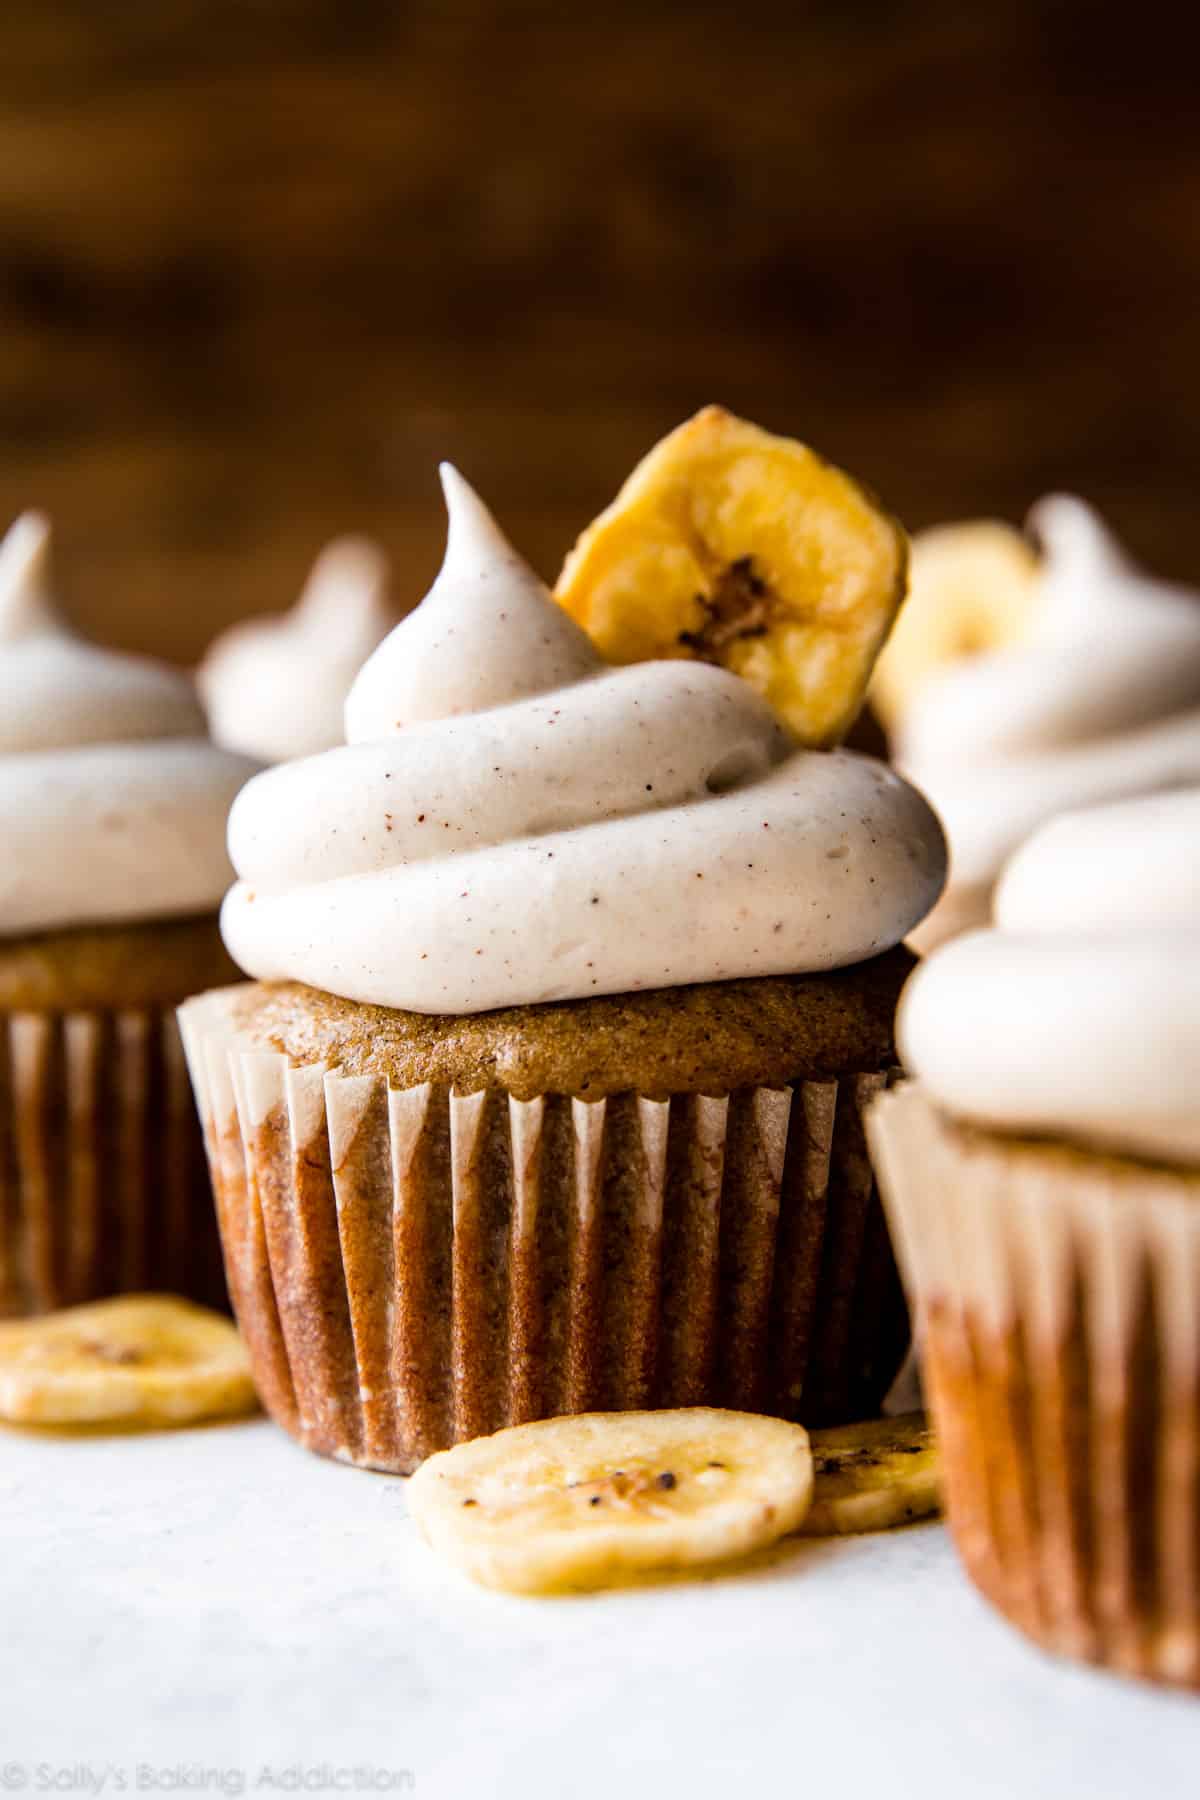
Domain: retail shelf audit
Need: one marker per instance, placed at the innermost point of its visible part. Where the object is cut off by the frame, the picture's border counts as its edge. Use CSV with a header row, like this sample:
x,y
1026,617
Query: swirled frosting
x,y
1102,701
1079,1015
275,687
112,800
512,821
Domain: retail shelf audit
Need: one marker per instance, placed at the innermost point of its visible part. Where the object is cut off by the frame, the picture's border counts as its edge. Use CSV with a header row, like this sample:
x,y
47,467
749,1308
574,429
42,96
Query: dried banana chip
x,y
874,1475
972,588
138,1360
590,1500
748,550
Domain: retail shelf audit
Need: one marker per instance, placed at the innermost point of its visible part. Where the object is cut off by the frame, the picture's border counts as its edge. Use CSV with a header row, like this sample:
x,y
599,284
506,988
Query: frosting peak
x,y
1084,568
488,632
349,577
112,802
276,686
513,821
25,606
58,691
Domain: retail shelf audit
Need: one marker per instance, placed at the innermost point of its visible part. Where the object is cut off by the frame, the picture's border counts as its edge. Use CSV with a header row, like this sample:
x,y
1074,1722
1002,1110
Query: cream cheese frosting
x,y
1078,1016
112,800
513,821
1101,702
275,687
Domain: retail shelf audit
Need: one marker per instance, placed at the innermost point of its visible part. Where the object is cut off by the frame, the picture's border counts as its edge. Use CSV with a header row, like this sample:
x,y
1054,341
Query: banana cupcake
x,y
112,814
275,687
1019,688
572,983
1042,1175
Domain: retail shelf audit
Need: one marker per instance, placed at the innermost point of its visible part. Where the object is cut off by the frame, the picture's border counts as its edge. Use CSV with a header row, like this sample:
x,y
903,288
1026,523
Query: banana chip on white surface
x,y
874,1475
748,550
137,1360
598,1498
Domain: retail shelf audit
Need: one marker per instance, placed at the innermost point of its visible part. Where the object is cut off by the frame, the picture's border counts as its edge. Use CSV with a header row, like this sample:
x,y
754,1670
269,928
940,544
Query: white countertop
x,y
217,1611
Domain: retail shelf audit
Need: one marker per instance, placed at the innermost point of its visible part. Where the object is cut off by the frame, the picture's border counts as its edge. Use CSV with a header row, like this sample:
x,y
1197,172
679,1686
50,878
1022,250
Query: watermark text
x,y
92,1779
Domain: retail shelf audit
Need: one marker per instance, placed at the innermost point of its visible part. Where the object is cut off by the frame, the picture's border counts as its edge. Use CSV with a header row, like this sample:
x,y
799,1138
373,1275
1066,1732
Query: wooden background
x,y
262,262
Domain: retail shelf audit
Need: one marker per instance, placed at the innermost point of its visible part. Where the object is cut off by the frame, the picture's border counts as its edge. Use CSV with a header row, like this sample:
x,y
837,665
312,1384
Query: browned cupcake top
x,y
108,966
1061,1163
711,1038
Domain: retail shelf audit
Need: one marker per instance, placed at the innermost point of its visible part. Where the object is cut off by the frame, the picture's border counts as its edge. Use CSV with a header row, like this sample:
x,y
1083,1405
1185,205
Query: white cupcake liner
x,y
1057,1298
102,1177
411,1268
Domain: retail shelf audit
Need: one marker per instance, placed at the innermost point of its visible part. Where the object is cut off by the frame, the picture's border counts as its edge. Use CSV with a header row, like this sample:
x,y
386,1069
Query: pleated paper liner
x,y
1058,1304
103,1186
414,1268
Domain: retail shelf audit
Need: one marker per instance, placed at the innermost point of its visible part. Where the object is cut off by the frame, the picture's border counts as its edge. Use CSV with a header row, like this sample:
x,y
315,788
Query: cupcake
x,y
275,687
571,985
1015,692
112,815
1042,1177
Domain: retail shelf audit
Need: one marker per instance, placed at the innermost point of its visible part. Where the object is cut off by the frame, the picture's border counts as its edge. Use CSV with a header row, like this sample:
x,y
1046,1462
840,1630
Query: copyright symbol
x,y
13,1777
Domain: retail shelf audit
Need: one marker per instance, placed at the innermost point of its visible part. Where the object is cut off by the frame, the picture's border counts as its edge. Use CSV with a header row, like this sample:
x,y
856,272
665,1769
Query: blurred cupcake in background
x,y
572,984
1014,690
972,590
274,687
113,805
1042,1177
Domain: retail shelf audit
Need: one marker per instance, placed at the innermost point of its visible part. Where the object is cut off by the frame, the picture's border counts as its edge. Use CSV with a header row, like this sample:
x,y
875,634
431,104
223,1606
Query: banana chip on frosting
x,y
972,589
747,550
